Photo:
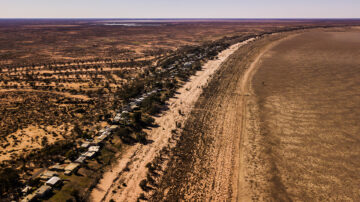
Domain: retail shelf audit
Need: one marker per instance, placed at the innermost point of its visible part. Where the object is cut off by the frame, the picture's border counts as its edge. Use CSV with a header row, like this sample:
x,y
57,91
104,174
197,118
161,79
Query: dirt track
x,y
209,162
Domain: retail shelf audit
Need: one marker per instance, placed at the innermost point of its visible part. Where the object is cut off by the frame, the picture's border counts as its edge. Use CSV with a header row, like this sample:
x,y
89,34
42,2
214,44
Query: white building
x,y
54,181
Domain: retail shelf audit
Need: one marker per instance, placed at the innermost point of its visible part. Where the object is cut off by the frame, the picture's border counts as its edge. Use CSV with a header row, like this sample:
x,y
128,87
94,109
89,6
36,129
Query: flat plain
x,y
309,93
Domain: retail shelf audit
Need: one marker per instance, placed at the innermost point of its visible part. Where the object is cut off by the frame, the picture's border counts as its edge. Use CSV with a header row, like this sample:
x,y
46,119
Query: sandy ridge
x,y
138,156
213,160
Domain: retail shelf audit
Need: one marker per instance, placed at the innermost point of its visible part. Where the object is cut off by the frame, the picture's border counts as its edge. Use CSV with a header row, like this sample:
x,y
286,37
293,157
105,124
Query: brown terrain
x,y
44,41
262,112
60,73
50,70
138,158
290,133
214,157
309,93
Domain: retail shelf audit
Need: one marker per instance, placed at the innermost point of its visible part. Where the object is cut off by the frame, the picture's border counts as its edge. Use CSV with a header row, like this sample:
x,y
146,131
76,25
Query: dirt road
x,y
209,162
122,182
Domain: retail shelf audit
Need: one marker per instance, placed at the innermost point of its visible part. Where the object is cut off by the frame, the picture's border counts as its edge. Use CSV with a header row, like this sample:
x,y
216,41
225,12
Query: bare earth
x,y
138,156
277,121
309,93
218,152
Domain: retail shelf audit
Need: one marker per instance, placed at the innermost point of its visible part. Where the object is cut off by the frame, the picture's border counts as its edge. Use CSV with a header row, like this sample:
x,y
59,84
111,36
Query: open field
x,y
309,94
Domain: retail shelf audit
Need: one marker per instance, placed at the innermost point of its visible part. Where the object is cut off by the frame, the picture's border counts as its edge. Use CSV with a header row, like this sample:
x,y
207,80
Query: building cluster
x,y
51,176
92,147
123,115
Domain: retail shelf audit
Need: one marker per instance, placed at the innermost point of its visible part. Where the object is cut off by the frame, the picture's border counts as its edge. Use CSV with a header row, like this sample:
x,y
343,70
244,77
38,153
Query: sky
x,y
179,9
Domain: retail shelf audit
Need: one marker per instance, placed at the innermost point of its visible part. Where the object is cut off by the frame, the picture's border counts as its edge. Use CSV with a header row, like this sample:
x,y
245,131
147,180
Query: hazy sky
x,y
179,9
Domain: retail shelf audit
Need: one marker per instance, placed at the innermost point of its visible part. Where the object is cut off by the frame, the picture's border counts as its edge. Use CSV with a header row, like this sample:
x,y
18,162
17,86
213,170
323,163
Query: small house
x,y
114,127
101,138
85,145
71,168
89,154
117,118
94,148
43,191
187,64
133,106
53,182
107,130
80,160
26,190
47,175
57,167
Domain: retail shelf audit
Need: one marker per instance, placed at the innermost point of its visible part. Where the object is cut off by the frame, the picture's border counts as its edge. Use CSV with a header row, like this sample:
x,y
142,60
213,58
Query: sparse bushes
x,y
148,120
143,185
152,104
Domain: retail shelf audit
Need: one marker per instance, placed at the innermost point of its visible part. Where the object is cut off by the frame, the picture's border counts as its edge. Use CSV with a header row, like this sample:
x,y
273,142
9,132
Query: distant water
x,y
132,24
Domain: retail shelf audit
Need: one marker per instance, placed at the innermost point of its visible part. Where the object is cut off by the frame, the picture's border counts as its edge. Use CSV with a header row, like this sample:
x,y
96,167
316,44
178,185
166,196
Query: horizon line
x,y
303,18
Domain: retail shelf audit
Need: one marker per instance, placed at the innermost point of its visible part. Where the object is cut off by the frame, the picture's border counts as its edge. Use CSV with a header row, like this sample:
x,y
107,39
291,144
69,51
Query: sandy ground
x,y
137,157
28,139
217,156
309,116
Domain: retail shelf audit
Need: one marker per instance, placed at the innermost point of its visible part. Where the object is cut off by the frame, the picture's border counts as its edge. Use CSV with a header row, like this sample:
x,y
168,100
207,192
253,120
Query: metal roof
x,y
53,181
94,148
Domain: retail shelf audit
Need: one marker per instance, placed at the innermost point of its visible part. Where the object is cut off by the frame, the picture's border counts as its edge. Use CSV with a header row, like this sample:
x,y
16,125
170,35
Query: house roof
x,y
81,159
48,174
102,130
72,166
56,167
85,144
94,148
26,189
88,154
101,138
53,181
114,127
43,189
